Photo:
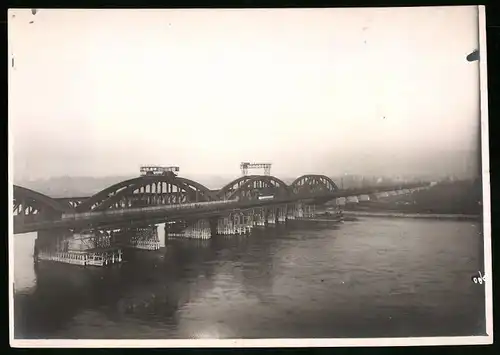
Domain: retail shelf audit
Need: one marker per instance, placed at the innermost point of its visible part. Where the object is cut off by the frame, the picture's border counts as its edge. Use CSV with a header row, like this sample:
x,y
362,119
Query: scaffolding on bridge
x,y
152,170
245,166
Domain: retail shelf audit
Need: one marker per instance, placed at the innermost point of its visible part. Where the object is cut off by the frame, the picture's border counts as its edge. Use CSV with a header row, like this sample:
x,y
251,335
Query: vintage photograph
x,y
249,177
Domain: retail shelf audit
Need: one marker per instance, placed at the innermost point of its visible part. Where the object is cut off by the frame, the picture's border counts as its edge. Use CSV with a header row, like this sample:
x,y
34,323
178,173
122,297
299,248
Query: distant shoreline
x,y
467,217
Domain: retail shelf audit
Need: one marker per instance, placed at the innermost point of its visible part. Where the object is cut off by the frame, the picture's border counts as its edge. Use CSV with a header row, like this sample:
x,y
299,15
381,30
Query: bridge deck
x,y
159,214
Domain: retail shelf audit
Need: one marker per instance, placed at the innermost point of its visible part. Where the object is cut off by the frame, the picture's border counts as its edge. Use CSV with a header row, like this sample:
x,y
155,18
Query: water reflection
x,y
369,278
150,287
24,277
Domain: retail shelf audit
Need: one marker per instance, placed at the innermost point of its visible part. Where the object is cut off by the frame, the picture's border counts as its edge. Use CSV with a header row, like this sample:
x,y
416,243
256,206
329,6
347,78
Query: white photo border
x,y
265,343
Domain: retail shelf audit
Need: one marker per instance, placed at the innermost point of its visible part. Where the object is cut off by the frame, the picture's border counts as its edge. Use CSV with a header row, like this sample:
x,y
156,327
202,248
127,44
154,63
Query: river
x,y
374,277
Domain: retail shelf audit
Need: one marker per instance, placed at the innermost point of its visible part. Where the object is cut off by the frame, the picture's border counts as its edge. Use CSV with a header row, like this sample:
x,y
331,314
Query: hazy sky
x,y
100,92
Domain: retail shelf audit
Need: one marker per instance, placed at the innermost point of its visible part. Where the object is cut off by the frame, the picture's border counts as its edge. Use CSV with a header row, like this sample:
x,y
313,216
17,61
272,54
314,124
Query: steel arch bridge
x,y
169,190
148,191
231,187
313,185
72,202
252,186
27,202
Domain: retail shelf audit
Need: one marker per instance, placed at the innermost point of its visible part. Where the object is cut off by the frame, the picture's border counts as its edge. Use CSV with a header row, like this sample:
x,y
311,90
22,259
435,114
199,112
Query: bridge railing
x,y
111,212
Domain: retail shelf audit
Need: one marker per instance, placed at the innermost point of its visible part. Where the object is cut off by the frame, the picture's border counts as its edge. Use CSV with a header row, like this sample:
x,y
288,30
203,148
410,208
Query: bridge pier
x,y
271,217
84,248
49,241
341,201
363,198
234,224
248,221
282,214
352,200
301,210
373,197
172,229
145,238
259,217
199,229
309,211
291,212
298,210
383,195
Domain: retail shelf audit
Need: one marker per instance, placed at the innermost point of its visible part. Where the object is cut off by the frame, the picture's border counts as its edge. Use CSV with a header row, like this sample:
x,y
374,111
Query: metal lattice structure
x,y
253,187
37,212
72,202
234,185
313,185
147,170
169,189
148,191
245,166
27,202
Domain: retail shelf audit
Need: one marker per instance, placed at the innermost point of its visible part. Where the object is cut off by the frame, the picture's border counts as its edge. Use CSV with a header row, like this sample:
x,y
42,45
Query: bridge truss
x,y
245,166
28,202
148,191
170,189
313,185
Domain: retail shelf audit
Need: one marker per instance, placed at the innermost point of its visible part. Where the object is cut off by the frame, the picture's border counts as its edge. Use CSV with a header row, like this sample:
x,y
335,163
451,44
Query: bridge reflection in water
x,y
147,287
369,278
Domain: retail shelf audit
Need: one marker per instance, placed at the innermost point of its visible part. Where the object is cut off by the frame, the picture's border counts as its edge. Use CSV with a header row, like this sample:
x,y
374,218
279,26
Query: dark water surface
x,y
375,277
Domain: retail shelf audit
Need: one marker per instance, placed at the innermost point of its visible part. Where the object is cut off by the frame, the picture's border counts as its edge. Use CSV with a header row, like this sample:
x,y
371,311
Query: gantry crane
x,y
245,166
148,170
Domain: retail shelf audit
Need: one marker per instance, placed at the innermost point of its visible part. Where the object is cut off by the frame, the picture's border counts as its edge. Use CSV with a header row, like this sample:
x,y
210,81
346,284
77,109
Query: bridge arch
x,y
148,191
234,185
313,184
105,194
29,202
252,188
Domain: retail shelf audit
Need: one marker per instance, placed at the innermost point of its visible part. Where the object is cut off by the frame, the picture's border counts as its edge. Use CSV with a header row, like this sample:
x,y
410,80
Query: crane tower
x,y
152,170
245,166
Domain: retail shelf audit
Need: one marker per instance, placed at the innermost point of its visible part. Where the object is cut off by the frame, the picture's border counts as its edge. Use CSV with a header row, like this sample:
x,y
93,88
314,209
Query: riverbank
x,y
457,217
451,200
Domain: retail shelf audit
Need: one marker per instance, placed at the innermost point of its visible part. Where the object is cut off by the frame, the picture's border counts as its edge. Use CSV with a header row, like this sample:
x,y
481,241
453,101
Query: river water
x,y
374,277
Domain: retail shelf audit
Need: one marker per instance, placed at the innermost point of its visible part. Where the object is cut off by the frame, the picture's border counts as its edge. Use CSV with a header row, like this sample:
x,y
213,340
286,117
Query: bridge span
x,y
93,230
166,196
